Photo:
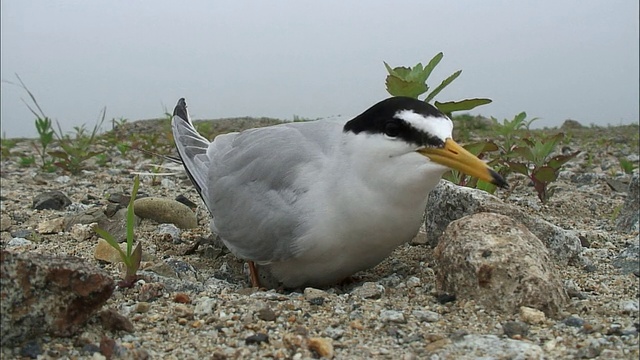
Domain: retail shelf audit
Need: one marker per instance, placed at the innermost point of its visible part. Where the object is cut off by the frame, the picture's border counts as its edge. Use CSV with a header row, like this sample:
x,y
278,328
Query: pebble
x,y
532,316
51,200
392,316
266,314
105,252
205,306
426,315
515,328
52,226
629,306
574,321
321,346
369,290
312,294
171,230
19,242
257,339
80,232
334,332
164,210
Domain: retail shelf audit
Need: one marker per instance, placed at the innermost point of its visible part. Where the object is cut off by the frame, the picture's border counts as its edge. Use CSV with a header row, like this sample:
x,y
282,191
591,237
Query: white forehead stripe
x,y
441,127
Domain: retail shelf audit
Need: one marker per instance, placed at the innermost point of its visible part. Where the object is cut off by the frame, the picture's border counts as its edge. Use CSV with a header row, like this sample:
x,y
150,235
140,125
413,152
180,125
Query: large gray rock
x,y
489,347
449,202
630,213
48,294
499,263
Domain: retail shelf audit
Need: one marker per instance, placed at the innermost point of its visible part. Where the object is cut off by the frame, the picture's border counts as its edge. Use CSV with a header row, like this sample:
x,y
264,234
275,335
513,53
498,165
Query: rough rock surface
x,y
448,202
51,200
497,262
48,294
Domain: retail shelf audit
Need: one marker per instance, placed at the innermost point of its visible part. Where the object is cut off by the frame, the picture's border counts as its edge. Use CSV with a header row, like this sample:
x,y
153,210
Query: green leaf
x,y
59,154
462,105
442,85
486,186
525,152
518,167
544,174
557,161
131,215
432,65
399,87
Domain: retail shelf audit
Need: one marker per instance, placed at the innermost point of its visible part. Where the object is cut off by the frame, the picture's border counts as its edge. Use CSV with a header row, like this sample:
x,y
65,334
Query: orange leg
x,y
253,274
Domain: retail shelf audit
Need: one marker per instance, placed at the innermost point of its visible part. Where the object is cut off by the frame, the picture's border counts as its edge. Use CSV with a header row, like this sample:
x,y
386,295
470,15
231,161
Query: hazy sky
x,y
553,59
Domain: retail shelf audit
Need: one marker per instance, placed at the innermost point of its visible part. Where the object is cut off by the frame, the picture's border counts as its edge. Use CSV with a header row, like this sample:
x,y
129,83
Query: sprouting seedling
x,y
412,82
131,257
538,166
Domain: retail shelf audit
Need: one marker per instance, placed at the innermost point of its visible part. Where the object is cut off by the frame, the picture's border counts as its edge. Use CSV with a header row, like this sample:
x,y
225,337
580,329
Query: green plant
x,y
6,145
539,166
26,161
412,82
626,165
78,149
132,257
45,137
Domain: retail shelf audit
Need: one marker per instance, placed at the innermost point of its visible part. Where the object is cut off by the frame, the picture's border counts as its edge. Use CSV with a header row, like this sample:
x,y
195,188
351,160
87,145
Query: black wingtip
x,y
498,180
181,110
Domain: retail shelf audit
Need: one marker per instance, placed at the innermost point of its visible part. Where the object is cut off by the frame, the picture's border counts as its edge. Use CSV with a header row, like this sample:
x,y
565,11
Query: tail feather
x,y
192,148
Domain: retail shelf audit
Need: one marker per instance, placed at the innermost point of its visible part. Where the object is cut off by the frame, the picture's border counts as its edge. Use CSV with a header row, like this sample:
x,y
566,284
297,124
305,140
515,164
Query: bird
x,y
312,203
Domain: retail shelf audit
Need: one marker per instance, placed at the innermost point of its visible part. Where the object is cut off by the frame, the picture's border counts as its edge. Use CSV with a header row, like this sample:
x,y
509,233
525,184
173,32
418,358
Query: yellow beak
x,y
456,157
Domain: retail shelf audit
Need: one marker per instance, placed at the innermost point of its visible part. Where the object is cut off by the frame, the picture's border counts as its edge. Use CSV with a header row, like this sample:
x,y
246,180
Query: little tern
x,y
312,203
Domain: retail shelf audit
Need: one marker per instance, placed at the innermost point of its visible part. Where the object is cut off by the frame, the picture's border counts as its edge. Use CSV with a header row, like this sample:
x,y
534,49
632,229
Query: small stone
x,y
312,294
369,290
334,332
19,242
629,306
182,298
413,282
205,306
532,316
142,307
257,339
165,211
106,252
266,314
112,320
444,298
426,315
515,328
171,230
183,311
392,316
63,179
80,232
574,321
52,226
150,291
31,349
52,200
323,347
5,223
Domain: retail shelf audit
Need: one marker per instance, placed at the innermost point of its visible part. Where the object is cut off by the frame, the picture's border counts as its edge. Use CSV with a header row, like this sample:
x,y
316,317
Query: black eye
x,y
391,129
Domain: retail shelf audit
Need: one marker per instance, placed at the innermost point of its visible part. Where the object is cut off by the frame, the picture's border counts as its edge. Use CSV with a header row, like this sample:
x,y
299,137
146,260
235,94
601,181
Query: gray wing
x,y
254,186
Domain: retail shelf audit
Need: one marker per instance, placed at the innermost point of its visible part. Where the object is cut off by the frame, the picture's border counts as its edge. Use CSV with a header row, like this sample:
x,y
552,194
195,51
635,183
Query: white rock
x,y
426,315
204,306
82,232
52,226
19,242
531,315
392,316
629,306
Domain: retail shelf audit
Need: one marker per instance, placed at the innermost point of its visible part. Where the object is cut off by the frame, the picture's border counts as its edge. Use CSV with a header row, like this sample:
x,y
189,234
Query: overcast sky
x,y
553,59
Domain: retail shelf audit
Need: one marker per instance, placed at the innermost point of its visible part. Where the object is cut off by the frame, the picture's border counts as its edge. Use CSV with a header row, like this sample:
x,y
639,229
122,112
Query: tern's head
x,y
403,125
